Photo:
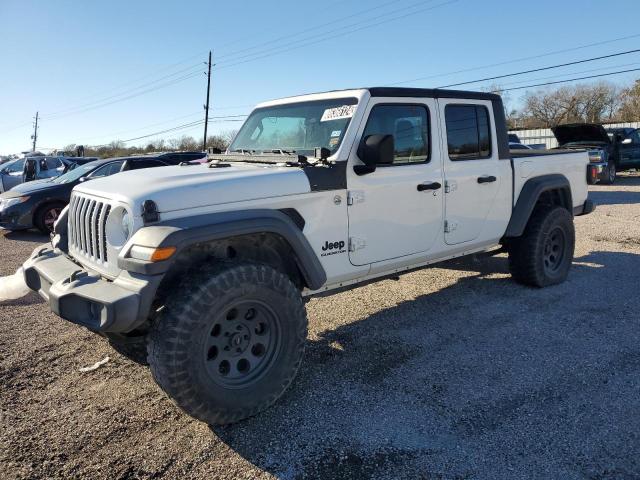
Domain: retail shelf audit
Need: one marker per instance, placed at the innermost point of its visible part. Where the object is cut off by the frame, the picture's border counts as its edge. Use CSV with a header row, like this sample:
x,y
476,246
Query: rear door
x,y
474,174
390,215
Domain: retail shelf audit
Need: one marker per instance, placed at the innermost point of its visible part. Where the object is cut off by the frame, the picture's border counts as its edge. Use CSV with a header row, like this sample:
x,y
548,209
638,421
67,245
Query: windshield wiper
x,y
243,151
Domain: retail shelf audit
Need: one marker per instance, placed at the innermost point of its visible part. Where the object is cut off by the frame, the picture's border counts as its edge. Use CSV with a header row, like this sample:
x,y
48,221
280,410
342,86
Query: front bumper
x,y
596,172
83,297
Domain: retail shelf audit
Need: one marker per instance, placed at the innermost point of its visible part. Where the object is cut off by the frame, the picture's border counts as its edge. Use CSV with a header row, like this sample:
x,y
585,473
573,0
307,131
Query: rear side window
x,y
54,163
106,170
468,132
409,125
138,164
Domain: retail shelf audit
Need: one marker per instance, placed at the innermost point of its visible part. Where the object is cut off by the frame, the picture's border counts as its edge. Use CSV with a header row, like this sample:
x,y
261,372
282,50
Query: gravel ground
x,y
452,372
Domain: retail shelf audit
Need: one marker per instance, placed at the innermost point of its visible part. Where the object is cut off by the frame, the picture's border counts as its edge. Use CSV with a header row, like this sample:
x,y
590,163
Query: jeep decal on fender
x,y
333,248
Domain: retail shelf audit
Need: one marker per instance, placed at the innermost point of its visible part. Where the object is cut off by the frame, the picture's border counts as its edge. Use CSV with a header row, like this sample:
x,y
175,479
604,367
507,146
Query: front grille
x,y
87,224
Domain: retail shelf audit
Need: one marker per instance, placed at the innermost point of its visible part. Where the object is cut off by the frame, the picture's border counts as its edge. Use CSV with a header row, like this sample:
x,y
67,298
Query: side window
x,y
468,132
16,167
54,163
635,137
136,165
106,170
409,125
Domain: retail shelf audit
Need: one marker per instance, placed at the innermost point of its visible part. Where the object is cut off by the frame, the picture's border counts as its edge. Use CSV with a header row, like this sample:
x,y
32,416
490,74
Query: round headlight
x,y
119,227
126,224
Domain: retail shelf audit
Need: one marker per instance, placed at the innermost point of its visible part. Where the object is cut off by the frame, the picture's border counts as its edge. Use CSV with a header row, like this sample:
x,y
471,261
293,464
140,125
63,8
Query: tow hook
x,y
78,274
41,252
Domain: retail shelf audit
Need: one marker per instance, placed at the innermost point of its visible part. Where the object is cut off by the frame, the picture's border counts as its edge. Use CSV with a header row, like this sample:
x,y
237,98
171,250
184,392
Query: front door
x,y
472,169
396,210
630,152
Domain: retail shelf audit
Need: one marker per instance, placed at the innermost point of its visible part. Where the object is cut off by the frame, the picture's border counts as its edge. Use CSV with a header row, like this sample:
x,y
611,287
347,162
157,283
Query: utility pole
x,y
206,107
35,133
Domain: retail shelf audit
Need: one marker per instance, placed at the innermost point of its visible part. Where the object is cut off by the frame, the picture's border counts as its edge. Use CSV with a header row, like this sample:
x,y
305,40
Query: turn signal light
x,y
151,254
162,253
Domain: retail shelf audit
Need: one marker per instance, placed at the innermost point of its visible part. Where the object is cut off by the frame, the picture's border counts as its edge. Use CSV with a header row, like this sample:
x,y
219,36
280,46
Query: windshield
x,y
75,174
297,127
14,166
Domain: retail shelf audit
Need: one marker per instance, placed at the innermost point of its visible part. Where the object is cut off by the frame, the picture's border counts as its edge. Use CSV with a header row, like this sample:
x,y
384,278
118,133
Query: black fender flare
x,y
529,196
184,232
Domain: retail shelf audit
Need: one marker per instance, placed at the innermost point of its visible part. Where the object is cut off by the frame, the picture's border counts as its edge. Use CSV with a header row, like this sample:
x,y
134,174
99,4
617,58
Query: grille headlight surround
x,y
119,227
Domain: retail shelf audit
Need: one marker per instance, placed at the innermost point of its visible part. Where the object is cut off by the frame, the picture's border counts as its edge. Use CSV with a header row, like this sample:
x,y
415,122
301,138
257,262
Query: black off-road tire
x,y
133,347
235,305
542,256
610,177
41,217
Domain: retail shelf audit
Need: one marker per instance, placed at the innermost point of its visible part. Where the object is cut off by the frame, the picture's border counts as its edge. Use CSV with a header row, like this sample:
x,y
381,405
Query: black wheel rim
x,y
50,217
554,250
242,344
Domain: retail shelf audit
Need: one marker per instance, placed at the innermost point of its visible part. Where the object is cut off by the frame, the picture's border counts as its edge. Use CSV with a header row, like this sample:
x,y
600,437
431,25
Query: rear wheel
x,y
230,343
542,256
610,174
46,216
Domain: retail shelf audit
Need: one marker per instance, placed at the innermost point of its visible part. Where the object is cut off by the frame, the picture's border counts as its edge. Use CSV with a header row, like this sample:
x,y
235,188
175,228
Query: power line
x,y
593,59
522,59
166,67
196,123
62,112
105,104
306,30
386,19
520,82
568,80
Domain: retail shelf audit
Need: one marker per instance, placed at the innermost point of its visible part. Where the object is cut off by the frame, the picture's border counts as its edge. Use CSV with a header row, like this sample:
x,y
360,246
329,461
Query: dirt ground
x,y
452,372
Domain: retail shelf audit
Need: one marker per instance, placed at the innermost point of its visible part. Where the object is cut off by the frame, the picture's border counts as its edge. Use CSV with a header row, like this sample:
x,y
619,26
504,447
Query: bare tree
x,y
630,103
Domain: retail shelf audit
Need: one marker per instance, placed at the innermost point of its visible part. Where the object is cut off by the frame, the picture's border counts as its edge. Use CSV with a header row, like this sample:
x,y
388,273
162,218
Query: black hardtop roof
x,y
413,92
430,93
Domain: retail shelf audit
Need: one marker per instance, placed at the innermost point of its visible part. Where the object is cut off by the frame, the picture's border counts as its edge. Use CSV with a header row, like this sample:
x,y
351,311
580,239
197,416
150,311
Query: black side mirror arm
x,y
364,169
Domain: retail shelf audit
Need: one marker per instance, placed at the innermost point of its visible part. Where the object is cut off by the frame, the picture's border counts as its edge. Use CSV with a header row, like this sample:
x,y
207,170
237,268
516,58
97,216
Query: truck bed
x,y
570,163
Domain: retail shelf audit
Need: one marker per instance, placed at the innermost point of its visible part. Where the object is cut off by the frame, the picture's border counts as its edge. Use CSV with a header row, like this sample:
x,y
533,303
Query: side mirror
x,y
626,141
374,150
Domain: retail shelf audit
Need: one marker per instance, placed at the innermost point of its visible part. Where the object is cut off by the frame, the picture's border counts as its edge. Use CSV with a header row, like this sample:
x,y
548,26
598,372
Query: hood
x,y
580,132
191,186
28,188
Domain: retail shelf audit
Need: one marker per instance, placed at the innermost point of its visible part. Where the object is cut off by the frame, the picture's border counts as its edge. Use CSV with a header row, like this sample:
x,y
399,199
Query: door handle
x,y
486,179
429,186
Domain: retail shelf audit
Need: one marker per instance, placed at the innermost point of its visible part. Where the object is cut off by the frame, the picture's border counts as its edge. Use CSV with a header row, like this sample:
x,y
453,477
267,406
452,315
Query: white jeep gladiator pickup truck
x,y
207,266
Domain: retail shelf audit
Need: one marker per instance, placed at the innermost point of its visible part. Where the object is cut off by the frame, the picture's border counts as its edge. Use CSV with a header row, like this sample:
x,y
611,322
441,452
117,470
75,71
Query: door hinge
x,y
450,186
356,243
355,196
449,226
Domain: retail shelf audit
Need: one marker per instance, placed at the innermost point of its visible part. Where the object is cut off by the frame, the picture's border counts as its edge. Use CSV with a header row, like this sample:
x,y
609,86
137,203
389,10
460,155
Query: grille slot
x,y
87,227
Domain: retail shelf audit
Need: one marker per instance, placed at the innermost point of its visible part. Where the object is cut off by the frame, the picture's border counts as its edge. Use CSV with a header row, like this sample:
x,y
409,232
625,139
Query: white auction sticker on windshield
x,y
337,113
336,133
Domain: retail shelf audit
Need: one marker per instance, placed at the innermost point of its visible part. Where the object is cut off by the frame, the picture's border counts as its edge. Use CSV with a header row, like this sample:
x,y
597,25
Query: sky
x,y
119,70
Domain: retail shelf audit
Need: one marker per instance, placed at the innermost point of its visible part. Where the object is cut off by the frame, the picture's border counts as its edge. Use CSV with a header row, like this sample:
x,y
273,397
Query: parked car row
x,y
39,203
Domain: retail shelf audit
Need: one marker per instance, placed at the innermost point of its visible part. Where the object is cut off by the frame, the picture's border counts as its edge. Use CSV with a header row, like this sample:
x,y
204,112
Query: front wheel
x,y
230,343
46,217
542,256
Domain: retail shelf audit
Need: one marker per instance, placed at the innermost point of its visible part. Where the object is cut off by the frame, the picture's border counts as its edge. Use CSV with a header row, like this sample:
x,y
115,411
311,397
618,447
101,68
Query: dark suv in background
x,y
610,150
38,204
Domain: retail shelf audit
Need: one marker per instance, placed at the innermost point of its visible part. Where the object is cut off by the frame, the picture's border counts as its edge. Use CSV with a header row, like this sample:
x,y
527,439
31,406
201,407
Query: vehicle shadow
x,y
611,196
468,380
26,236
